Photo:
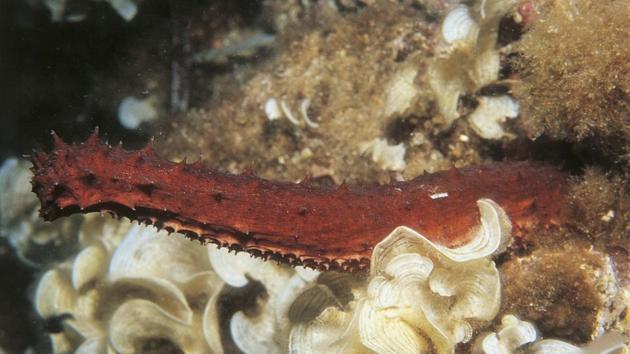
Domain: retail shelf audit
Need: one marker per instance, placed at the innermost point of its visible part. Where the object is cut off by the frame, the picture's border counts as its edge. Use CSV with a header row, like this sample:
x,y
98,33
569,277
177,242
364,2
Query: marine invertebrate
x,y
421,297
388,157
129,289
132,288
385,303
36,242
467,56
512,334
266,328
322,227
132,111
486,118
515,335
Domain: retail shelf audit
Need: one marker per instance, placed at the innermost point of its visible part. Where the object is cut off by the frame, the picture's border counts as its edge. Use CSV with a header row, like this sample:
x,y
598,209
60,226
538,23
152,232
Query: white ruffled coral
x,y
420,296
467,58
129,287
267,329
512,334
334,331
517,336
37,242
132,288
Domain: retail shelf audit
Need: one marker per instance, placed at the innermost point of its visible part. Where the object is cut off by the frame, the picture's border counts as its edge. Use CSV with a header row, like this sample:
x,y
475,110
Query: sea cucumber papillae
x,y
321,227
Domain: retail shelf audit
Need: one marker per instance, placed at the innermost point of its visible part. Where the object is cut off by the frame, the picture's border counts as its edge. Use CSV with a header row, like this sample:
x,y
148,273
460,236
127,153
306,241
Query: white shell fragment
x,y
272,109
492,111
609,343
387,157
304,106
275,110
287,113
440,195
458,25
132,111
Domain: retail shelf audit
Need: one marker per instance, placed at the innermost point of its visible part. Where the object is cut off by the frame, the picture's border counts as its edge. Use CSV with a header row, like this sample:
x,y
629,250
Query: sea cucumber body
x,y
323,227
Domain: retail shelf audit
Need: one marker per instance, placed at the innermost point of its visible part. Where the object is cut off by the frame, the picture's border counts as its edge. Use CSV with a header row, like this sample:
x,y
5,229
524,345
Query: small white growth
x,y
304,105
401,91
132,111
608,216
492,111
458,25
512,334
388,157
287,113
438,195
127,9
272,109
516,336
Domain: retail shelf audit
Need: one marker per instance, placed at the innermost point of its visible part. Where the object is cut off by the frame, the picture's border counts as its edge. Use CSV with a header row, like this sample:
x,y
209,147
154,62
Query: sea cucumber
x,y
298,223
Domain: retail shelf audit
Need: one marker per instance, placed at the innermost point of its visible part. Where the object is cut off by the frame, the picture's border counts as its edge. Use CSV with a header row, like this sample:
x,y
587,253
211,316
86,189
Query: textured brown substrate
x,y
326,228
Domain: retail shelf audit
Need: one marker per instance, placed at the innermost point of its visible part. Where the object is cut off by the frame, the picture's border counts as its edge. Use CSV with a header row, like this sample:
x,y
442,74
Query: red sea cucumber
x,y
322,227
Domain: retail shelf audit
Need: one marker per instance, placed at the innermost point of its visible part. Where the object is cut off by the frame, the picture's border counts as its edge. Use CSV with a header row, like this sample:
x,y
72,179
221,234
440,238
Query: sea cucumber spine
x,y
300,224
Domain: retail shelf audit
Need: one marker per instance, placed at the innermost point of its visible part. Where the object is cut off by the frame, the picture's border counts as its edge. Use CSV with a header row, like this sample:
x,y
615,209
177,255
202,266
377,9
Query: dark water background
x,y
50,75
